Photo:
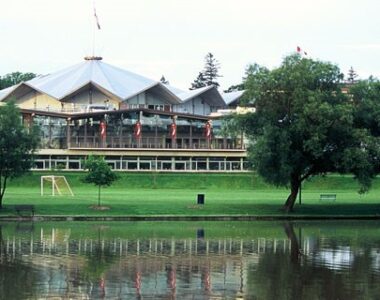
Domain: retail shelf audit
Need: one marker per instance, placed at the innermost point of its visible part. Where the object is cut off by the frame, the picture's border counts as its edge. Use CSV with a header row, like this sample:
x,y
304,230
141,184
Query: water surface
x,y
190,260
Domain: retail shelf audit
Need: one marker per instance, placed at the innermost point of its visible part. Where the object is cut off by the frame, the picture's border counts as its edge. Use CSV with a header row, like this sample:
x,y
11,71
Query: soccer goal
x,y
56,185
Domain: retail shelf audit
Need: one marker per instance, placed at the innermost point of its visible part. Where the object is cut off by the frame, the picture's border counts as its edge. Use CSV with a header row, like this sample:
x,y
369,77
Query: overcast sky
x,y
171,37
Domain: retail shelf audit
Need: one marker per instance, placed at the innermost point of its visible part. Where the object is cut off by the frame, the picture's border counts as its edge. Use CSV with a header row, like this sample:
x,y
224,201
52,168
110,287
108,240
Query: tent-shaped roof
x,y
210,92
120,83
231,97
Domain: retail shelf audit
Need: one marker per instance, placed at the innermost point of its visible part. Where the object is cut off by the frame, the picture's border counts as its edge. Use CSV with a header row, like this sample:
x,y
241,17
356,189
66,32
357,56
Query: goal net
x,y
55,185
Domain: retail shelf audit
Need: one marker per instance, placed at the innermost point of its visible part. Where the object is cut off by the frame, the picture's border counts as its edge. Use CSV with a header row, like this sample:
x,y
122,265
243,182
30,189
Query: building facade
x,y
136,123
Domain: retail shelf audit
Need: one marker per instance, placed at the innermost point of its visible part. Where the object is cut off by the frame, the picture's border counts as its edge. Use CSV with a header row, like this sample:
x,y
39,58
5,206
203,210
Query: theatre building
x,y
136,123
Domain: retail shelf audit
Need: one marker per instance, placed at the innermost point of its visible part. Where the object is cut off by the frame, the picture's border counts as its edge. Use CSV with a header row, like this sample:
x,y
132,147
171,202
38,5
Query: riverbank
x,y
143,196
225,218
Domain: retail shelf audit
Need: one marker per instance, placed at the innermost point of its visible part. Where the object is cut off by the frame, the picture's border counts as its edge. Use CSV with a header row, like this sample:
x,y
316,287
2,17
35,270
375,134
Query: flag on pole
x,y
96,19
301,51
173,130
208,130
103,130
137,130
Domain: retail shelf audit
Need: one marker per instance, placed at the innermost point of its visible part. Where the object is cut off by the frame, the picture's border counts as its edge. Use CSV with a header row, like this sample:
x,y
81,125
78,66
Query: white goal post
x,y
59,185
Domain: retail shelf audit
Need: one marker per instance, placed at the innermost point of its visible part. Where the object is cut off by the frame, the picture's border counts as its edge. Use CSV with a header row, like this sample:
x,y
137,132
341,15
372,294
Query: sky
x,y
172,37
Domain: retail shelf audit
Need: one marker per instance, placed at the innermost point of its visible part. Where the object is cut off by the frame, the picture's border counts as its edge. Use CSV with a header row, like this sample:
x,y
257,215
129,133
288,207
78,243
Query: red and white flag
x,y
103,130
208,130
173,130
301,51
137,131
96,19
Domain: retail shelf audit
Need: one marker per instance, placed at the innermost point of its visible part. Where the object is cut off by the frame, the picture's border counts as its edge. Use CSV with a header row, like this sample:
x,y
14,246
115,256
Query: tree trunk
x,y
294,243
3,186
3,249
294,188
99,196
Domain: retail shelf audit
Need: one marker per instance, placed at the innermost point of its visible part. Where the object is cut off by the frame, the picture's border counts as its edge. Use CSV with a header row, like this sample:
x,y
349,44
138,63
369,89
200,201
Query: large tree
x,y
304,125
14,78
17,145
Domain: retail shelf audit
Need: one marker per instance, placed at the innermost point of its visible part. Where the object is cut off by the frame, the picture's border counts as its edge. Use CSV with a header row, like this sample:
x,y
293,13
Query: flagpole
x,y
93,31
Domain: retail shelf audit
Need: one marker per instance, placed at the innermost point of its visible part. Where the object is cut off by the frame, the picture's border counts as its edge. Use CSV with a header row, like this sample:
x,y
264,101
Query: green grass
x,y
175,194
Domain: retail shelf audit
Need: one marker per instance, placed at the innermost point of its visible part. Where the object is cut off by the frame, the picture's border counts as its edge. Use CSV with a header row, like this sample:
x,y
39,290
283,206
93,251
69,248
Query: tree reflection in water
x,y
295,275
18,280
99,260
253,261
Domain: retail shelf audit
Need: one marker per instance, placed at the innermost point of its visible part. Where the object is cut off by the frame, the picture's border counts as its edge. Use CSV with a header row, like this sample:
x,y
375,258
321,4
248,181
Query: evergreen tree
x,y
351,76
211,70
199,82
163,80
209,74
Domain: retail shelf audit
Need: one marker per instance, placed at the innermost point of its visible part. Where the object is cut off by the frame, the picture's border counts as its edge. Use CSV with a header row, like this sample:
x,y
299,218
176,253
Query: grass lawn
x,y
175,194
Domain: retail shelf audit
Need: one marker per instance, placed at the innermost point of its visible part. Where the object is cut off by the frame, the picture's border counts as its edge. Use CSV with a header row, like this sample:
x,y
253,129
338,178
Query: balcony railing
x,y
96,142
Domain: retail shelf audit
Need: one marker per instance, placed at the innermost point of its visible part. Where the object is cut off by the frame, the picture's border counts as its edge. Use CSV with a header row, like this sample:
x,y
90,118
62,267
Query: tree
x,y
163,80
365,95
304,126
248,86
199,82
15,78
235,88
352,75
211,70
99,173
17,144
209,74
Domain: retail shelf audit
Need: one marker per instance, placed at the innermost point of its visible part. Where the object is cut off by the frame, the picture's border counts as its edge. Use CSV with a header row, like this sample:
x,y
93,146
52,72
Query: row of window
x,y
150,164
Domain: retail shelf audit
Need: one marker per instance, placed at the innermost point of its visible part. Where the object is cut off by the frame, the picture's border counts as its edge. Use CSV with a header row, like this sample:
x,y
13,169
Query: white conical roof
x,y
121,83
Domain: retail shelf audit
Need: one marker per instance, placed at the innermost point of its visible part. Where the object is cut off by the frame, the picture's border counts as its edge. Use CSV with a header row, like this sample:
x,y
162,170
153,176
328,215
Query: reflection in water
x,y
254,260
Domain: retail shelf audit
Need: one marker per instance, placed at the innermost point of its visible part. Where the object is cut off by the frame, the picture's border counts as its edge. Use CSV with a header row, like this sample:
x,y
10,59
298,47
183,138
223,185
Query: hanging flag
x,y
300,51
96,19
137,130
208,130
173,130
103,130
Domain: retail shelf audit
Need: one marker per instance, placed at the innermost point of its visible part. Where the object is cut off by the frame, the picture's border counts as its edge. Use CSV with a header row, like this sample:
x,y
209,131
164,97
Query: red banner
x,y
208,130
103,130
138,130
173,130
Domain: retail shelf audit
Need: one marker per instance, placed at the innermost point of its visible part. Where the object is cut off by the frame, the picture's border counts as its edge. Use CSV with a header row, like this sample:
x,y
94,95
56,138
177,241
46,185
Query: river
x,y
190,260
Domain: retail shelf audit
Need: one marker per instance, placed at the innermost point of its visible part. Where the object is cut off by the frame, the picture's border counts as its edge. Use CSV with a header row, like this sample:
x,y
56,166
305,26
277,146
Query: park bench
x,y
331,197
24,208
